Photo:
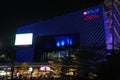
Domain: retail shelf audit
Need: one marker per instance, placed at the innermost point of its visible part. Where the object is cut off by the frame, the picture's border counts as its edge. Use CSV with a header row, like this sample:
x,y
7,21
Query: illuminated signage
x,y
91,14
45,68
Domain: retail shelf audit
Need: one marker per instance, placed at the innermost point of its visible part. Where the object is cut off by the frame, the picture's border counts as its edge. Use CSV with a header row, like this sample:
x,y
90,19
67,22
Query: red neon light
x,y
93,16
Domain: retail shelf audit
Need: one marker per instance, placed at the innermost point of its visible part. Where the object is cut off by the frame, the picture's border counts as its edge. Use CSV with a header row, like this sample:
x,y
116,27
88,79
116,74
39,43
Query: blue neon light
x,y
58,44
70,41
91,11
63,41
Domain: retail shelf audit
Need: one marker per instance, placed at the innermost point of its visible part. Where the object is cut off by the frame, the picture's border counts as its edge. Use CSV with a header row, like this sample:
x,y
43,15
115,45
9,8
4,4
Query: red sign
x,y
91,14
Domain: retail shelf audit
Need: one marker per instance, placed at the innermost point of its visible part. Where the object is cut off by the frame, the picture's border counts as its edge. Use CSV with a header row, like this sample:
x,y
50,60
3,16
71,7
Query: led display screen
x,y
24,39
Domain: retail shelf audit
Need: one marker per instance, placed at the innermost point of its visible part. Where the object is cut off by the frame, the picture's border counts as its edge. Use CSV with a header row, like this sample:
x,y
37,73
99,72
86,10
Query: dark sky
x,y
17,14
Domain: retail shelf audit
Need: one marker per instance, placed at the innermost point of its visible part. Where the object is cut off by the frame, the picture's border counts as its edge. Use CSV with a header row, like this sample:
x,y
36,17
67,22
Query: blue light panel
x,y
58,44
63,41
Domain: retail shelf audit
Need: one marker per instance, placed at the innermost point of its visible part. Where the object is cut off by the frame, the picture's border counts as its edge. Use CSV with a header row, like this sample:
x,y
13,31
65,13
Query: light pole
x,y
12,69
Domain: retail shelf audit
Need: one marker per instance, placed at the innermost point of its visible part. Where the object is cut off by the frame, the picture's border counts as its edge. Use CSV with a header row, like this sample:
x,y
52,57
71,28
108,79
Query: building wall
x,y
90,26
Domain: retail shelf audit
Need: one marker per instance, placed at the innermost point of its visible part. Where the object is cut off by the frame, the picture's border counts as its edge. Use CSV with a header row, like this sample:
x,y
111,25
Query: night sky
x,y
17,14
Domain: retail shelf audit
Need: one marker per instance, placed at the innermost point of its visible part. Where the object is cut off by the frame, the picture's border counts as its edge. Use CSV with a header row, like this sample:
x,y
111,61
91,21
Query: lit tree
x,y
56,67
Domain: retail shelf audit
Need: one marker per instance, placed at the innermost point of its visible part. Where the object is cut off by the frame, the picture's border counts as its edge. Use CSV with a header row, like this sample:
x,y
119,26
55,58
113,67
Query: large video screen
x,y
24,39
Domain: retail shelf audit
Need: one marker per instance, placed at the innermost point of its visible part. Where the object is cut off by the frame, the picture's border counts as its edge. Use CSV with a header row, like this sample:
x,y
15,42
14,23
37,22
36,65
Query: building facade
x,y
88,24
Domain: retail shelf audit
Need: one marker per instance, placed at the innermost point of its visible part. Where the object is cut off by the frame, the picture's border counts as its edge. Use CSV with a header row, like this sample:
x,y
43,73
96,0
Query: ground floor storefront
x,y
26,70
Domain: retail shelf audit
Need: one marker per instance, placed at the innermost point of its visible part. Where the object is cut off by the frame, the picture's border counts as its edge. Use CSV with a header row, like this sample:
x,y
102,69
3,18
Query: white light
x,y
85,13
45,68
23,39
30,69
17,74
2,73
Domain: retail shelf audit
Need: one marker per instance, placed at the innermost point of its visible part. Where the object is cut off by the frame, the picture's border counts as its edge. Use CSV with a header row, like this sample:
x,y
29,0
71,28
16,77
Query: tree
x,y
56,67
77,60
4,58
